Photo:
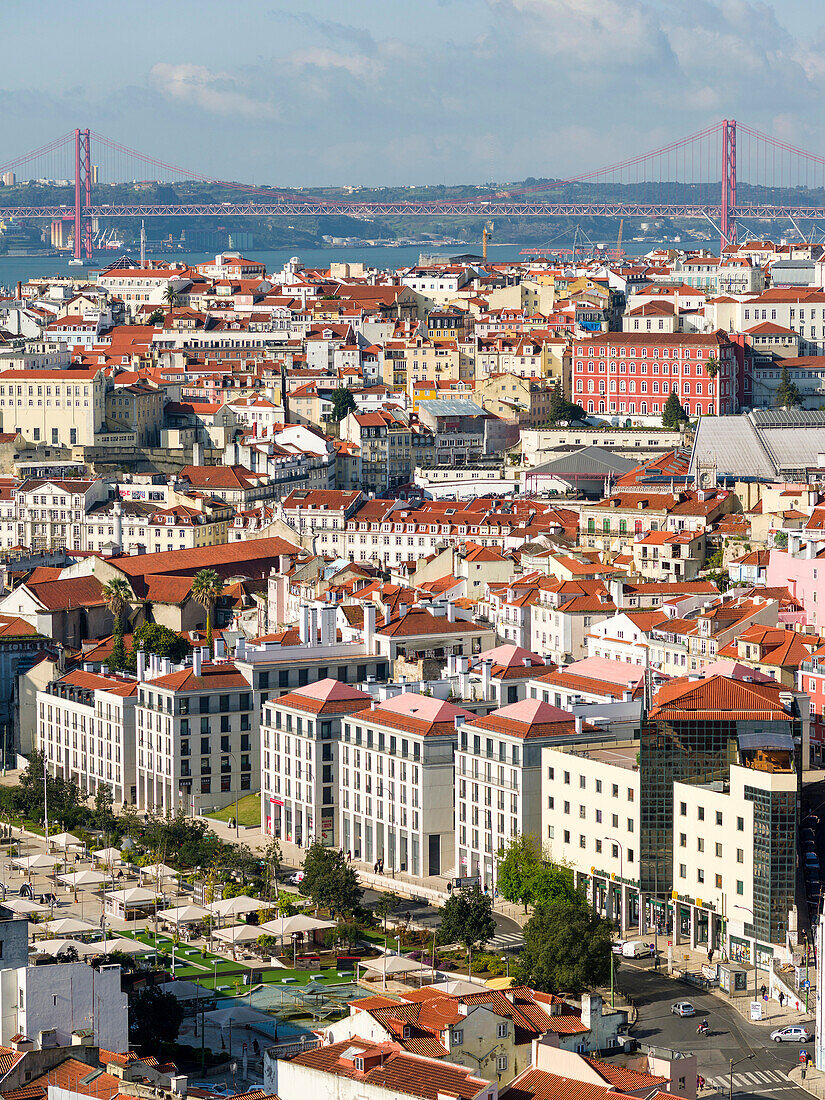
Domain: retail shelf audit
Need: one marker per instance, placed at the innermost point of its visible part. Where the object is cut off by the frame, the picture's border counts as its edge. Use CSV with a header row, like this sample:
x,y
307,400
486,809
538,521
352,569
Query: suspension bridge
x,y
695,177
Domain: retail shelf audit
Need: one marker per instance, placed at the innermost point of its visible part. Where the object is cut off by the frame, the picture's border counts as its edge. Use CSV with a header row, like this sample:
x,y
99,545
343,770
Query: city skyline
x,y
466,91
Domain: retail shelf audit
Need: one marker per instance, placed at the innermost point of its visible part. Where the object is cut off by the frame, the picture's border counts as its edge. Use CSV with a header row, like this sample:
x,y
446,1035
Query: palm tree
x,y
171,297
118,596
206,587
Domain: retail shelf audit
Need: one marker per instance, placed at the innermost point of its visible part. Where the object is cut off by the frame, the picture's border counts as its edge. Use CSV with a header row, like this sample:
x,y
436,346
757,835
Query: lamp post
x,y
738,1062
506,960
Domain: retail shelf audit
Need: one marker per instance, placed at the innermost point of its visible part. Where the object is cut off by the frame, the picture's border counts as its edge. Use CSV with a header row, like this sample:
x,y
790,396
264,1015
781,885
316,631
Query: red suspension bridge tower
x,y
728,212
82,195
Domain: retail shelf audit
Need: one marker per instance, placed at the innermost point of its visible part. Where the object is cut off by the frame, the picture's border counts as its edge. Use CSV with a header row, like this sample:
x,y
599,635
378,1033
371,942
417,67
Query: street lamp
x,y
506,960
738,1062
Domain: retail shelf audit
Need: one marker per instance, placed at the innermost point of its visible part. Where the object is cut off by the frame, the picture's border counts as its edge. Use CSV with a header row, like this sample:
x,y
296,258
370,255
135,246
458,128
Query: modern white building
x,y
86,731
300,734
397,783
198,744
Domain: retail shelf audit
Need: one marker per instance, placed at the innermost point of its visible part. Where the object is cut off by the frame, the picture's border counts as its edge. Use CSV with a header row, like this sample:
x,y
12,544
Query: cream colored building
x,y
63,408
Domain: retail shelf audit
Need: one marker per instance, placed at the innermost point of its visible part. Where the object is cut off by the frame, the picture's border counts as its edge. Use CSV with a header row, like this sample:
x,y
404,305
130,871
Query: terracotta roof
x,y
414,713
325,697
718,698
73,592
528,719
213,677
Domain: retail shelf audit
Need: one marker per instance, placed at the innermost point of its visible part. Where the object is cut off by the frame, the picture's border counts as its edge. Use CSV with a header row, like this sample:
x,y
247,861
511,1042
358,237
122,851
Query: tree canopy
x,y
787,392
525,876
206,587
567,948
154,1018
158,639
562,409
329,880
673,414
467,918
342,403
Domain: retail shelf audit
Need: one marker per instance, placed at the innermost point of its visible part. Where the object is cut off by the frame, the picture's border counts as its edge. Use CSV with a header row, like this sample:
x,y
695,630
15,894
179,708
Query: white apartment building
x,y
560,625
63,999
63,408
198,744
86,731
624,637
498,780
397,780
300,734
135,286
590,821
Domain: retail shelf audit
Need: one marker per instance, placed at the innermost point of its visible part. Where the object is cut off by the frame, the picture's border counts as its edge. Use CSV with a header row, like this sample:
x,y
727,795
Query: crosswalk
x,y
505,941
765,1080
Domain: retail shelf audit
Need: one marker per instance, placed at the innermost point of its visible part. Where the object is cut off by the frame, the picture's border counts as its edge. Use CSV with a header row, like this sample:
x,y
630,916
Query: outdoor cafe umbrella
x,y
238,933
122,945
40,862
68,926
392,964
236,907
107,856
65,840
58,947
286,926
183,914
22,906
87,877
158,871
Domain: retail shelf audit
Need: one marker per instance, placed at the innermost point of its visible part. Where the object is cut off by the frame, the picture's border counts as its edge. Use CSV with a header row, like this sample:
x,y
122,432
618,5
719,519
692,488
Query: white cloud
x,y
217,93
319,57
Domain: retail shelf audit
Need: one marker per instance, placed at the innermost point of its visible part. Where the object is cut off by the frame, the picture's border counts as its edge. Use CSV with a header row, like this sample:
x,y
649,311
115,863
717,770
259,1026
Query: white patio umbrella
x,y
285,926
22,906
133,895
392,964
65,840
121,944
158,872
40,862
184,914
236,907
238,933
58,947
88,877
109,857
68,926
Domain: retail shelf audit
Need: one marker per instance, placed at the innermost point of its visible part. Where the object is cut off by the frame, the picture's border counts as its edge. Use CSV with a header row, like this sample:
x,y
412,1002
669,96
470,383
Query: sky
x,y
394,92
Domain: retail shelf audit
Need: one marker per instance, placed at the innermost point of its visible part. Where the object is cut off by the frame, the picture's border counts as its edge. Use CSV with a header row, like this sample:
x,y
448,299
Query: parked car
x,y
793,1034
637,949
683,1008
811,859
618,947
296,878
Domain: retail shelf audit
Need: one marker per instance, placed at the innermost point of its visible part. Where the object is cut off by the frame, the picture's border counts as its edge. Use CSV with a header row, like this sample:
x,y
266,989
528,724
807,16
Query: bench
x,y
286,981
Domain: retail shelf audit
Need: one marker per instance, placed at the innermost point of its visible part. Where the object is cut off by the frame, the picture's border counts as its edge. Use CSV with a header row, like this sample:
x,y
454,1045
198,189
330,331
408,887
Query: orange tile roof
x,y
716,699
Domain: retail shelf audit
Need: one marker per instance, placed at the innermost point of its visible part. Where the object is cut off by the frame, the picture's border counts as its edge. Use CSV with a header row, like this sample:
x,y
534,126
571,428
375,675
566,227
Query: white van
x,y
636,949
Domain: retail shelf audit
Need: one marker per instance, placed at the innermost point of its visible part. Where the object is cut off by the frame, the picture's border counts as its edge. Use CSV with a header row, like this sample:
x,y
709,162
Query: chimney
x,y
459,721
579,721
486,685
141,666
387,614
527,662
197,454
303,624
313,626
450,611
240,649
220,646
369,628
196,660
451,664
283,563
402,610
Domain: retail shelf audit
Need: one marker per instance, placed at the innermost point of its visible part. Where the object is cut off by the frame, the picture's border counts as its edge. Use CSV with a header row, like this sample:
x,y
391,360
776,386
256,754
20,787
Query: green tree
x,y
673,414
329,880
155,1018
712,367
158,639
567,948
787,392
516,868
562,409
171,297
467,918
118,660
206,587
385,905
342,403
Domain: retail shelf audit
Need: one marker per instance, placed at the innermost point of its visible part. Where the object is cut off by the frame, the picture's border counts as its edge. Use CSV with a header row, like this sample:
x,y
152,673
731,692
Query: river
x,y
22,268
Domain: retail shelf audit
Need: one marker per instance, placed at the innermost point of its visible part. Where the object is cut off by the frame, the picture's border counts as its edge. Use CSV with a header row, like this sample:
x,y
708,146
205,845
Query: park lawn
x,y
249,811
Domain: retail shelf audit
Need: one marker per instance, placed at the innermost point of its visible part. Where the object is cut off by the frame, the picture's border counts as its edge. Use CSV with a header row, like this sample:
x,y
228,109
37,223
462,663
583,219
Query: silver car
x,y
793,1034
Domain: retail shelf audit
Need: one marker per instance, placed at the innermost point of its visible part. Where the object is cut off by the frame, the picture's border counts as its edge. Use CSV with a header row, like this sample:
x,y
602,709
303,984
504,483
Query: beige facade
x,y
63,408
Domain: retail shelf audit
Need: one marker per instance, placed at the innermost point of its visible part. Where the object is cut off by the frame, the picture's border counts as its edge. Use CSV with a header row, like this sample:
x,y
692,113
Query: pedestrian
x,y
710,954
763,990
375,868
781,998
349,855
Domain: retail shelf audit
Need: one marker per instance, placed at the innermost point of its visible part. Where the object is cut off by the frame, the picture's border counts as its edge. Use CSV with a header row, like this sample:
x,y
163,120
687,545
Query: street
x,y
508,935
731,1036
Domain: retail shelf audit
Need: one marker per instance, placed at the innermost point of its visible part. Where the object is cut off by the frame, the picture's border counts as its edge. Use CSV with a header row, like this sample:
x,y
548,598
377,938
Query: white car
x,y
618,947
793,1034
683,1008
296,879
637,949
